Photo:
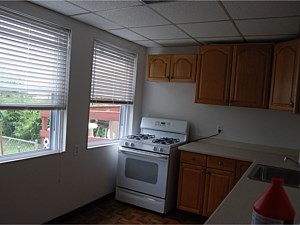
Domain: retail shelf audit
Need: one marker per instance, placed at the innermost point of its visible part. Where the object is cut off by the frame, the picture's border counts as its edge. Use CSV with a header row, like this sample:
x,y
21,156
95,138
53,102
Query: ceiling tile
x,y
220,40
149,44
273,38
134,17
105,5
178,42
63,7
127,34
96,21
262,9
160,32
190,11
211,29
272,26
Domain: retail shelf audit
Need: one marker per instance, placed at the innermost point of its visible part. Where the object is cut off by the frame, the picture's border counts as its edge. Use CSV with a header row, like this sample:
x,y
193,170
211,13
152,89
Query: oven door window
x,y
141,170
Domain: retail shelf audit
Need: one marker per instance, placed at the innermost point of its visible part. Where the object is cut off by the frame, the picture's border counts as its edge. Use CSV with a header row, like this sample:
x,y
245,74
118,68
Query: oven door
x,y
141,171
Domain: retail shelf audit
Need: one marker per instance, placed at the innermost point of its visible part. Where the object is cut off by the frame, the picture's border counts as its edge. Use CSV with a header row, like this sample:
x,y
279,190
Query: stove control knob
x,y
161,150
131,145
126,143
155,149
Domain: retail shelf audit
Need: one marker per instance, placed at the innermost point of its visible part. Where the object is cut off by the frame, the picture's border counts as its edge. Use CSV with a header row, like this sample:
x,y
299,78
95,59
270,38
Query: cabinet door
x,y
241,167
159,67
183,68
218,184
285,75
213,80
191,188
250,80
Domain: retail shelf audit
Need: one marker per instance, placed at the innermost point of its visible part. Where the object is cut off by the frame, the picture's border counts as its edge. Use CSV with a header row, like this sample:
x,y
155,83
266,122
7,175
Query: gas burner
x,y
166,141
140,136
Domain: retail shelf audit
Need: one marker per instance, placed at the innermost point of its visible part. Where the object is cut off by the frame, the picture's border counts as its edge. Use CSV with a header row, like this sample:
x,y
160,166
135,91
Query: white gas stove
x,y
148,164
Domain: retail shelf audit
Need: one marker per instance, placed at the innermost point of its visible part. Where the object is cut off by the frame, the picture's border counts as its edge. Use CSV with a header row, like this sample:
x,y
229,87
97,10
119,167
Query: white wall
x,y
257,126
40,189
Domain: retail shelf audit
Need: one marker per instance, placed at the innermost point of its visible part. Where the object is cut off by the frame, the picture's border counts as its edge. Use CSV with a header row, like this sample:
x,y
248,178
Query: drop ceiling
x,y
186,23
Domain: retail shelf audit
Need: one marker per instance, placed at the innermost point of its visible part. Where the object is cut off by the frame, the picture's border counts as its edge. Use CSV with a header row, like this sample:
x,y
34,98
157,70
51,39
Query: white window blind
x,y
113,78
33,63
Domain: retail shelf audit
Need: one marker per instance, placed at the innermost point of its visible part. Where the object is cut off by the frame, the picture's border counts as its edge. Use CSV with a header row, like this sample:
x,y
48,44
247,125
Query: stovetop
x,y
154,139
157,135
150,142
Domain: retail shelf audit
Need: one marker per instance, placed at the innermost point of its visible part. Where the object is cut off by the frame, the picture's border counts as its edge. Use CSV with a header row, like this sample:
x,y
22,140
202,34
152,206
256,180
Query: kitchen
x,y
74,181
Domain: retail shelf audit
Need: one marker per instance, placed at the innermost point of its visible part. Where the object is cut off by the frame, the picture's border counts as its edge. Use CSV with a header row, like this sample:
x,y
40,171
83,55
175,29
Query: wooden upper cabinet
x,y
159,67
250,81
175,68
213,83
237,75
285,76
183,68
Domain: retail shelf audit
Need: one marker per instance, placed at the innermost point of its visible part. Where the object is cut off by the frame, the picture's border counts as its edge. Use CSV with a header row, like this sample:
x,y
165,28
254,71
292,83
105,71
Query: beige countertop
x,y
237,206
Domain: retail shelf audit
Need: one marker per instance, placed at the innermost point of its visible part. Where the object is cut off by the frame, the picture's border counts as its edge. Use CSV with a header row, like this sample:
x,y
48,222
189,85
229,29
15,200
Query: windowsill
x,y
27,155
102,144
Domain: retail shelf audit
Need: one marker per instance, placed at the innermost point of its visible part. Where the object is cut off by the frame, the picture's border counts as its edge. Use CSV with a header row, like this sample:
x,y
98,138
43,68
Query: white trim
x,y
27,155
98,144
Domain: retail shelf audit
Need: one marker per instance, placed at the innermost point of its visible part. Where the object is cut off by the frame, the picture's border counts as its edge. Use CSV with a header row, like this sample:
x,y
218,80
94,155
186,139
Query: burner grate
x,y
141,136
165,140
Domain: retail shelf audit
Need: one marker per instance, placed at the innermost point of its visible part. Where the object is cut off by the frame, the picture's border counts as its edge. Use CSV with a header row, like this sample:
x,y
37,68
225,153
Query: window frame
x,y
124,113
58,115
126,110
58,146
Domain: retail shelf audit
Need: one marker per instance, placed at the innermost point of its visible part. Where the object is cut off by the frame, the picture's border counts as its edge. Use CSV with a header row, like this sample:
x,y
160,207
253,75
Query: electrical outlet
x,y
219,128
76,150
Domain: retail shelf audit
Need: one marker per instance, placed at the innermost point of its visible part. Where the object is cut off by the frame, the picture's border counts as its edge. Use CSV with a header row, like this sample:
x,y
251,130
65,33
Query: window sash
x,y
34,58
113,75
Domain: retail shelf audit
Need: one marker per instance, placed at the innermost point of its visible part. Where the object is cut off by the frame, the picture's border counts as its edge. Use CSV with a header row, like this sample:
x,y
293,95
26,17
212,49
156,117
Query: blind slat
x,y
113,75
33,67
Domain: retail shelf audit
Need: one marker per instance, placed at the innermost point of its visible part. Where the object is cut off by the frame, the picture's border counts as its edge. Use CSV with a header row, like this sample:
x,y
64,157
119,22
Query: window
x,y
112,93
33,85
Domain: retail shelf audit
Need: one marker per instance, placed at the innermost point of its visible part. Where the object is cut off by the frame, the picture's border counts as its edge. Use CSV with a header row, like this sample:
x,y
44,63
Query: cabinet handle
x,y
292,104
220,163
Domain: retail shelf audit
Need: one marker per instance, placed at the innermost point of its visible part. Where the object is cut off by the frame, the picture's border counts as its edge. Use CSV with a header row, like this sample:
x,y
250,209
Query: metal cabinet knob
x,y
220,163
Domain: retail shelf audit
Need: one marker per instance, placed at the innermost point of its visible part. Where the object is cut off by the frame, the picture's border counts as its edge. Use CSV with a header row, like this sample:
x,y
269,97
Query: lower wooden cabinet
x,y
241,167
218,184
190,192
204,181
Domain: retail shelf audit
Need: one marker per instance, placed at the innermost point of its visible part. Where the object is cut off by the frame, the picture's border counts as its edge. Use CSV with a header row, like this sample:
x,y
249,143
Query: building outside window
x,y
34,70
112,93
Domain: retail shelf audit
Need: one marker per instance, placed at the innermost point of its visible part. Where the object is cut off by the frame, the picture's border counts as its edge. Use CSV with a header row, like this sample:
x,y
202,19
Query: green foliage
x,y
99,131
25,124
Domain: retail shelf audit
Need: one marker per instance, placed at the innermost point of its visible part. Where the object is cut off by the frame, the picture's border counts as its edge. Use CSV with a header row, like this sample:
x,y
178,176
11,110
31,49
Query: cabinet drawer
x,y
221,163
193,158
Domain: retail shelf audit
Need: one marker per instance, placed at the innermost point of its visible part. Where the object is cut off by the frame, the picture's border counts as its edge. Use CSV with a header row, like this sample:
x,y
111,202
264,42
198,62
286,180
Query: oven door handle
x,y
139,153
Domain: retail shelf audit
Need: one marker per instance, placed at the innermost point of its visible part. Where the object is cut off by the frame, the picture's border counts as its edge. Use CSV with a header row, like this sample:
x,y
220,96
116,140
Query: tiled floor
x,y
109,211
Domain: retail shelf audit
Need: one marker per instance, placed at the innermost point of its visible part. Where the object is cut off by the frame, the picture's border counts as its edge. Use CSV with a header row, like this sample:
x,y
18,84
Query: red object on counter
x,y
274,205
